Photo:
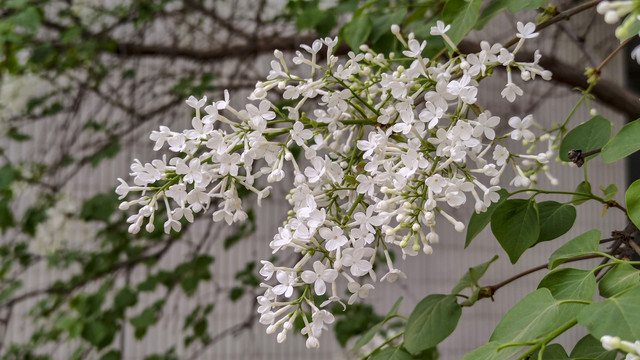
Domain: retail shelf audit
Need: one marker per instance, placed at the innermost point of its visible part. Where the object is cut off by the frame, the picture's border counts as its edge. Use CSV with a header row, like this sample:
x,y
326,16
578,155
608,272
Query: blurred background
x,y
83,83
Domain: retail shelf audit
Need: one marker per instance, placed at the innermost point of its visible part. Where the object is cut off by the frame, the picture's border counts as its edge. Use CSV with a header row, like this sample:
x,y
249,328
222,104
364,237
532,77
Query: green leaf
x,y
71,34
28,18
590,348
552,352
355,320
516,226
472,276
309,18
7,176
632,198
16,135
99,333
356,32
591,135
629,27
462,15
392,354
328,21
141,322
498,6
530,318
111,355
616,316
488,351
16,4
236,293
100,207
478,222
432,320
429,354
583,188
623,144
619,279
106,152
570,284
125,298
584,244
555,219
382,24
6,215
610,192
374,330
527,319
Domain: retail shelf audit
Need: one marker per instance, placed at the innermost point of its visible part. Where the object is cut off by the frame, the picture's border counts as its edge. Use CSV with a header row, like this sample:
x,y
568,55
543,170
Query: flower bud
x,y
427,250
312,343
281,337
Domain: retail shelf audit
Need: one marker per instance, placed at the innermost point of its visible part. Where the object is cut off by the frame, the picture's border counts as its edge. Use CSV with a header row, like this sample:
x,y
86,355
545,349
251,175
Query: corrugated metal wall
x,y
437,273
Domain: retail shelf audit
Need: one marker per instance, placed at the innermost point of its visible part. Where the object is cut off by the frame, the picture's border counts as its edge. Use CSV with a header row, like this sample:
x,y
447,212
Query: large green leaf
x,y
616,316
489,351
478,222
356,32
497,6
555,219
374,329
462,15
619,279
584,244
432,320
551,352
590,348
591,135
516,226
623,144
382,24
528,319
632,198
472,276
392,354
570,284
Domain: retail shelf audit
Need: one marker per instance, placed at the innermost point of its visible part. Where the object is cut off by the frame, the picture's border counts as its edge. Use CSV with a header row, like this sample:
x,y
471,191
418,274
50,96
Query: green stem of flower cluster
x,y
557,332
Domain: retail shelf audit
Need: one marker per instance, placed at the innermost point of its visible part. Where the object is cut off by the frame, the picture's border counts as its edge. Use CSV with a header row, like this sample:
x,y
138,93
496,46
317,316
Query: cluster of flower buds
x,y
615,11
389,143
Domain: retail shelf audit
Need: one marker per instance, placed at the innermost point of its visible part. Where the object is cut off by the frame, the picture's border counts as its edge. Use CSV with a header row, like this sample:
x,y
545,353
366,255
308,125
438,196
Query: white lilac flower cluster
x,y
62,229
613,343
615,11
389,143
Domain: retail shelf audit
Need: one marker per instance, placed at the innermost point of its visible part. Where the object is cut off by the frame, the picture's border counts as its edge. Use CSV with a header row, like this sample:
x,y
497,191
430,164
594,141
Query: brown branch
x,y
70,288
493,288
263,45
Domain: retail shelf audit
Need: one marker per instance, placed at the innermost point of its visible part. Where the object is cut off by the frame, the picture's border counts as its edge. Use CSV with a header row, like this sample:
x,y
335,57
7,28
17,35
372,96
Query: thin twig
x,y
494,288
